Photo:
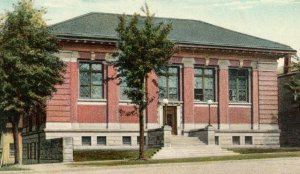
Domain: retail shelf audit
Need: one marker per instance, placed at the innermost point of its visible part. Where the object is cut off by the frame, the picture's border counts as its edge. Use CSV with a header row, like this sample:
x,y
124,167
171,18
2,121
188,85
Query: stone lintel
x,y
253,64
267,66
223,64
68,56
188,62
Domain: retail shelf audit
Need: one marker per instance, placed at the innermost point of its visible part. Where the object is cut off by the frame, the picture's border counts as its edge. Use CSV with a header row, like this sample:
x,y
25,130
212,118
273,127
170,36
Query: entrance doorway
x,y
170,118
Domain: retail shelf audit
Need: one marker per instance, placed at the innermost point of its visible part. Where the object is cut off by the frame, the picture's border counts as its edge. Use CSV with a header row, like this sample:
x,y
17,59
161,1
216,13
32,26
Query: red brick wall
x,y
202,114
268,97
188,94
239,115
151,111
112,96
91,114
223,96
59,107
128,114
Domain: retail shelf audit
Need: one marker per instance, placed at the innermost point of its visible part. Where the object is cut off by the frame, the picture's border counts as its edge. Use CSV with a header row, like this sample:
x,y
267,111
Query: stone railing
x,y
206,135
160,137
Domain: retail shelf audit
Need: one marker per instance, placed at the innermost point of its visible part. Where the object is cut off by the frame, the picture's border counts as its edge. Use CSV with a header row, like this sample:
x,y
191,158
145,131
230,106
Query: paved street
x,y
265,166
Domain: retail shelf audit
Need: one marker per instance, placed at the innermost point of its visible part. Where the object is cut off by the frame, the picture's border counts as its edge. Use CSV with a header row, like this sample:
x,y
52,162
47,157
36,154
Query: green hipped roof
x,y
102,26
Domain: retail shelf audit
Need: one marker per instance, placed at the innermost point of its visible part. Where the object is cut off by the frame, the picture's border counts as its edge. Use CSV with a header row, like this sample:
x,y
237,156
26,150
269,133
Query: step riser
x,y
189,147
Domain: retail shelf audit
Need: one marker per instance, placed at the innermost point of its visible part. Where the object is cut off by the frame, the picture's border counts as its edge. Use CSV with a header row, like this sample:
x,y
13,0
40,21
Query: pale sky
x,y
276,20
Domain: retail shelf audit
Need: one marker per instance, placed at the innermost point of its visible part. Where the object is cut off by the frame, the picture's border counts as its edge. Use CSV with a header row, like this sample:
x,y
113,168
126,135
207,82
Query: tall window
x,y
91,77
169,83
204,84
123,87
239,85
11,150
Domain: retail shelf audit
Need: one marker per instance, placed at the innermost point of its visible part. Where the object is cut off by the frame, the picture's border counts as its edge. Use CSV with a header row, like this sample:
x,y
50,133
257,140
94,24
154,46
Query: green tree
x,y
29,70
143,47
294,83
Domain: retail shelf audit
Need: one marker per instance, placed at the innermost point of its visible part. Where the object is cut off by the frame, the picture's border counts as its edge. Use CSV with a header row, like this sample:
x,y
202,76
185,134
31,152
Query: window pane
x,y
232,95
84,78
232,84
199,94
96,92
84,92
209,83
243,83
173,70
208,72
84,66
198,71
173,91
97,67
243,72
209,94
96,79
232,73
198,82
242,95
173,82
162,81
163,92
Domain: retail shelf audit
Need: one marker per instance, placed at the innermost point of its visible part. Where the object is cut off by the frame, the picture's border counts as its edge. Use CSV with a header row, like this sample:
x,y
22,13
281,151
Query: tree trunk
x,y
141,149
15,128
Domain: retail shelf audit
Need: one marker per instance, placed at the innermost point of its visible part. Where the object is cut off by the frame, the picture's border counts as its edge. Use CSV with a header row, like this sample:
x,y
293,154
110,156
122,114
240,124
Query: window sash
x,y
239,85
86,141
90,80
202,91
123,87
101,140
169,83
11,150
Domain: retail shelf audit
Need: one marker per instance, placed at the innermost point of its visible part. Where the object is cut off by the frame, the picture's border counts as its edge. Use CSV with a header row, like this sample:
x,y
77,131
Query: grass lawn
x,y
244,155
11,168
99,155
264,150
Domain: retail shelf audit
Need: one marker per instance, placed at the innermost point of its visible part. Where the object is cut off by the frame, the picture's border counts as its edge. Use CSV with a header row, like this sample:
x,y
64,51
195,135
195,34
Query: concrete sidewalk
x,y
264,166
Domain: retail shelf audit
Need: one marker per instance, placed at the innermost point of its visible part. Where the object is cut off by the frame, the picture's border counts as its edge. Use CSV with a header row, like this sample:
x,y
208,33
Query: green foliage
x,y
109,154
294,83
194,159
143,47
29,70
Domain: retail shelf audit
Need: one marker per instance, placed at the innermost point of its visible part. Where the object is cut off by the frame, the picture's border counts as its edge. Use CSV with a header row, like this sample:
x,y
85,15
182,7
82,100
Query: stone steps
x,y
189,147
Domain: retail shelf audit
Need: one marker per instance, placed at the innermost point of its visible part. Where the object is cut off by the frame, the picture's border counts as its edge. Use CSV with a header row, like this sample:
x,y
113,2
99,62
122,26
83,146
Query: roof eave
x,y
236,48
111,39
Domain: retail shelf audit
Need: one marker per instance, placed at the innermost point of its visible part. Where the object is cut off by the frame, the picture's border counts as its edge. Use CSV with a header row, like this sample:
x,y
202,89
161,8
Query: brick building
x,y
236,71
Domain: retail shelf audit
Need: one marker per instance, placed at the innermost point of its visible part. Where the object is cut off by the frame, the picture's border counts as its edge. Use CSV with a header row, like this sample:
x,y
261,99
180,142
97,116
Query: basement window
x,y
236,140
216,140
126,140
86,141
11,150
101,140
248,140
